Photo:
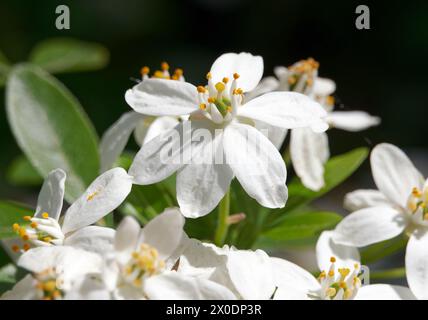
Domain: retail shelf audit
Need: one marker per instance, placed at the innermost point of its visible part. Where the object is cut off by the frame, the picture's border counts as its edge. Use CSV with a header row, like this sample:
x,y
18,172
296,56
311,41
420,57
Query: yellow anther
x,y
237,91
344,272
201,89
331,273
211,100
220,86
144,70
174,77
229,109
26,247
322,275
331,292
16,227
137,282
135,255
15,248
236,76
27,218
159,74
202,106
164,66
416,192
348,293
209,76
225,80
56,294
332,259
291,80
47,239
91,196
310,82
49,285
342,284
45,215
22,232
330,100
33,225
25,237
179,72
356,266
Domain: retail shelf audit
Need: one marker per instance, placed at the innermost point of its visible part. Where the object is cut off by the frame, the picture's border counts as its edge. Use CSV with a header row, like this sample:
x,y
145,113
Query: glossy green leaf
x,y
22,173
337,169
299,229
51,127
11,212
383,249
69,55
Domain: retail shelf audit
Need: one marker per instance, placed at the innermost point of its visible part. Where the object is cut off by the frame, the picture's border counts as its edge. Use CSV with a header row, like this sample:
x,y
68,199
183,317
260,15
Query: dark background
x,y
382,70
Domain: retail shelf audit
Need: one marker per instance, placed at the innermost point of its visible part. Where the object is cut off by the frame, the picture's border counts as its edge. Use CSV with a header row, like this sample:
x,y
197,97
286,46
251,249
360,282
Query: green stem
x,y
223,215
286,156
388,274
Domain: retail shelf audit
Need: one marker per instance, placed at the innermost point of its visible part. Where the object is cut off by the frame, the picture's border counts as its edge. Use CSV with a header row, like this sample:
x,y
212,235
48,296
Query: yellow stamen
x,y
164,66
342,284
331,292
159,74
330,100
225,80
25,237
220,86
26,247
211,100
236,76
179,72
144,70
331,273
15,248
416,192
332,259
27,218
45,215
47,239
56,294
229,109
16,227
209,76
201,89
202,106
33,225
49,285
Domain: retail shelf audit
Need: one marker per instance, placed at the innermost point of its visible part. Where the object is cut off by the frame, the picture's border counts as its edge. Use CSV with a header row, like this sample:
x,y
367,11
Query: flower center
x,y
44,231
301,75
417,204
144,263
340,284
219,102
48,285
163,73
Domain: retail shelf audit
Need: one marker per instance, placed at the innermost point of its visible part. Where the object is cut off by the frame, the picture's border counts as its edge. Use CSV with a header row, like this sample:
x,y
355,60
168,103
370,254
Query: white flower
x,y
221,110
145,127
140,267
339,279
104,195
55,273
309,150
400,205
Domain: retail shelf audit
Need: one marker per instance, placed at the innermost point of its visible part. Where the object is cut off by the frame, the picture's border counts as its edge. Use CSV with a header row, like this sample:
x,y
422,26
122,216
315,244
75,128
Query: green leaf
x,y
337,169
11,212
69,55
8,274
22,173
299,229
383,249
51,127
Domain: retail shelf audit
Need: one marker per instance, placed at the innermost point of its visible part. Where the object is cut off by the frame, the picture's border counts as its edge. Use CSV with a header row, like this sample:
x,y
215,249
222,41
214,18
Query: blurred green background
x,y
382,70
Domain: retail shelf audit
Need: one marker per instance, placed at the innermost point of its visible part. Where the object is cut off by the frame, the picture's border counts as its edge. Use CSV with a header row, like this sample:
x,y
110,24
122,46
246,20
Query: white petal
x,y
159,126
394,173
69,262
159,97
88,288
251,273
417,264
92,238
346,256
104,195
309,152
164,232
175,286
257,165
324,87
364,198
384,292
276,135
249,67
25,289
285,110
293,282
203,183
165,154
51,195
116,137
127,235
267,84
280,71
352,120
368,226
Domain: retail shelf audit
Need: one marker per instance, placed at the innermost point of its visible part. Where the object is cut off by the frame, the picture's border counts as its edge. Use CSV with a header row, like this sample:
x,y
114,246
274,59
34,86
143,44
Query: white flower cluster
x,y
68,257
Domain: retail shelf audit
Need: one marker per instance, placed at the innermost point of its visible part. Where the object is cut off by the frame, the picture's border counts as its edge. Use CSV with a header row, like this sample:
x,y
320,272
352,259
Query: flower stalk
x,y
223,216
